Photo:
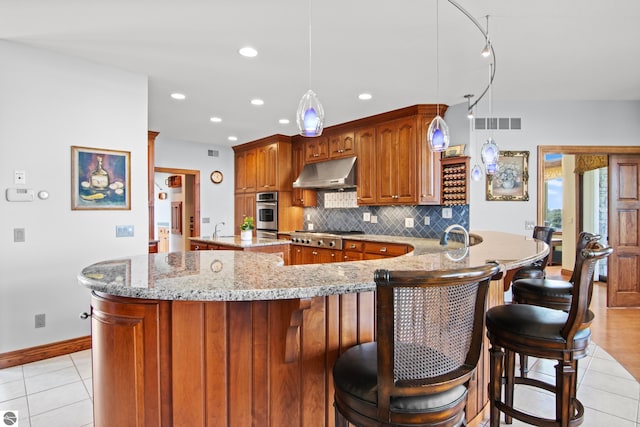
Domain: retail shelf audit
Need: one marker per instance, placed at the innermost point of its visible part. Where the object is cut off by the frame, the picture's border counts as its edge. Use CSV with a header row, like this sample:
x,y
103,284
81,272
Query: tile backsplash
x,y
339,211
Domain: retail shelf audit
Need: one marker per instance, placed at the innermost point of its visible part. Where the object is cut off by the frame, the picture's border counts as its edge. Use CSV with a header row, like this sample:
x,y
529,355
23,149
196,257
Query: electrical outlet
x,y
427,220
19,177
374,219
408,222
447,213
366,217
124,230
310,226
529,225
206,220
40,320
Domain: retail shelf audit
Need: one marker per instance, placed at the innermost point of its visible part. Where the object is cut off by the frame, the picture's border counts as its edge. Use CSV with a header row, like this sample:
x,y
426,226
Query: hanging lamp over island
x,y
310,114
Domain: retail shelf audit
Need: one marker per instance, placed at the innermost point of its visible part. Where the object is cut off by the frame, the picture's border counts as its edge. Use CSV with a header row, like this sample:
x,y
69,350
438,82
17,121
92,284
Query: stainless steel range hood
x,y
339,173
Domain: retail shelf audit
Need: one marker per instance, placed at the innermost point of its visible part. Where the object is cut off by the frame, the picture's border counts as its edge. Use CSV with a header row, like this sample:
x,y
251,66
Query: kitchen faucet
x,y
215,230
444,240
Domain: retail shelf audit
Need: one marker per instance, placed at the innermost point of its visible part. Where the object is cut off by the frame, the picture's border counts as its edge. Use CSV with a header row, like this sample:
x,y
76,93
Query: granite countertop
x,y
244,276
235,241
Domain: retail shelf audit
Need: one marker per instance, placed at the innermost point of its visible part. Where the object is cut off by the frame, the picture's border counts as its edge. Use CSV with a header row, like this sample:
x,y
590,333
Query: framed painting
x,y
100,179
511,181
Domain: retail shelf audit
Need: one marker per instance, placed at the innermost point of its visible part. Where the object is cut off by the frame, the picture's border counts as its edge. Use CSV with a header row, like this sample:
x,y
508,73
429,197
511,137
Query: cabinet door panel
x,y
131,384
406,162
366,165
267,167
385,162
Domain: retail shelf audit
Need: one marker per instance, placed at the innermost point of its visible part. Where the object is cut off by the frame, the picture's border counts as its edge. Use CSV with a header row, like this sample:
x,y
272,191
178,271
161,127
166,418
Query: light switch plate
x,y
366,217
447,213
427,220
374,219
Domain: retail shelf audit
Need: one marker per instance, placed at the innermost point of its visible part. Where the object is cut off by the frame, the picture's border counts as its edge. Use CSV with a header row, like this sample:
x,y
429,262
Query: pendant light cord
x,y
438,57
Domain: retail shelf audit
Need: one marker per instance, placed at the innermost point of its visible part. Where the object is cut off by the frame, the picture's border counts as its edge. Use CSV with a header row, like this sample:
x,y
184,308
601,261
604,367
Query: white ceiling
x,y
545,50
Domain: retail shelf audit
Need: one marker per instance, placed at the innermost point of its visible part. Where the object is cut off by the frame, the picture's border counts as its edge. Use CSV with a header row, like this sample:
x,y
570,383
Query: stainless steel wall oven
x,y
267,214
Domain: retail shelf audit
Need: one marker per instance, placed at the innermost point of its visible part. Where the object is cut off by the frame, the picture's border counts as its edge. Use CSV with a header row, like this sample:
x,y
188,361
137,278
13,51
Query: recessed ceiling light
x,y
283,121
248,52
257,101
215,119
233,138
365,96
178,96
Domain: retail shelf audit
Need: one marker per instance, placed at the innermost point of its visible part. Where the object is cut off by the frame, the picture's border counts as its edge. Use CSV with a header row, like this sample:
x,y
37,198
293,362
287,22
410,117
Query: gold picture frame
x,y
100,179
511,181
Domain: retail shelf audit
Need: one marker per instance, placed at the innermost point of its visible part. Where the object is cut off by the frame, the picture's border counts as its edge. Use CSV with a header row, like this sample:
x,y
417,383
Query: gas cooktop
x,y
322,238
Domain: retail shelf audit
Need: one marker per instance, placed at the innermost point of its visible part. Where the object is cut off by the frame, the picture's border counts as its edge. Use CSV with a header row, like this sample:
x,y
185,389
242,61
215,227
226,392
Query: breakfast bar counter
x,y
236,338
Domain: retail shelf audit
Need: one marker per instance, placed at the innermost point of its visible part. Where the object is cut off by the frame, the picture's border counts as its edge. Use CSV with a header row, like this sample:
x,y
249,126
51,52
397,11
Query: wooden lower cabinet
x,y
131,361
240,363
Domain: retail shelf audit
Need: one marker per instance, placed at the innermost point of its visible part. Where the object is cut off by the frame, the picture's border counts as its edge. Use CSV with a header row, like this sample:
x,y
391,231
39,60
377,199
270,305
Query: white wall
x,y
585,123
47,104
216,200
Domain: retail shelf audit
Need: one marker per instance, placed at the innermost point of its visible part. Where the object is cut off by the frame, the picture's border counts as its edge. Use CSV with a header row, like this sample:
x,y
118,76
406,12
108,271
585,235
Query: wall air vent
x,y
498,123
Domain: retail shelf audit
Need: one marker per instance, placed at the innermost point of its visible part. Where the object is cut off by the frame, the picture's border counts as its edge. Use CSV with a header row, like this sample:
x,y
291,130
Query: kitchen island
x,y
235,338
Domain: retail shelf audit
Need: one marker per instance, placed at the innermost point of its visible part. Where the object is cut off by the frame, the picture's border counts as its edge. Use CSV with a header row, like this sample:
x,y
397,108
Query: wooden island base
x,y
236,363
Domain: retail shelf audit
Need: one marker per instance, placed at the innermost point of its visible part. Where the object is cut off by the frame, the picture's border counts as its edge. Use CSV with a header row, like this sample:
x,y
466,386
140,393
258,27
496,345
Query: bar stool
x,y
548,334
549,293
429,335
536,270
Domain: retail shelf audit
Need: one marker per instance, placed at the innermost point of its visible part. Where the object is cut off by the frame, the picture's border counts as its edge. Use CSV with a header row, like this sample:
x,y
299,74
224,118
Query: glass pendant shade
x,y
490,154
310,115
476,173
438,134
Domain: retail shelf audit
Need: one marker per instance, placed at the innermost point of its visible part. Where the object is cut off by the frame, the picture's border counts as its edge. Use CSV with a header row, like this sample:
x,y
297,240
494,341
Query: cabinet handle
x,y
353,246
84,315
333,255
314,253
383,249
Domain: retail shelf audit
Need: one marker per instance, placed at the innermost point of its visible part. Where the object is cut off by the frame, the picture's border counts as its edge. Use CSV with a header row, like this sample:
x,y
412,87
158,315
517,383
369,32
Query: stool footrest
x,y
534,383
576,420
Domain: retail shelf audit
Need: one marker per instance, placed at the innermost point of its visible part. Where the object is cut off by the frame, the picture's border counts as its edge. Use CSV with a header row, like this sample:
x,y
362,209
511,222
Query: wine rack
x,y
455,185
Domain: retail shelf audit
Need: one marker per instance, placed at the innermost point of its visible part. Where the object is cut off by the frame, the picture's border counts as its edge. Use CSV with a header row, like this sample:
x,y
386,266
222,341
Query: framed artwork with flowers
x,y
511,181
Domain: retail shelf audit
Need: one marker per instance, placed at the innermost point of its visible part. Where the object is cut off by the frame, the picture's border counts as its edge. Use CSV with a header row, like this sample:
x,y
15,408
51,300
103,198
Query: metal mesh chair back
x,y
430,324
433,329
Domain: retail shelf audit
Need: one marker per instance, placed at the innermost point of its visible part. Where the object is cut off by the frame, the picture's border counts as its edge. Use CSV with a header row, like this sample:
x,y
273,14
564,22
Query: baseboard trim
x,y
46,351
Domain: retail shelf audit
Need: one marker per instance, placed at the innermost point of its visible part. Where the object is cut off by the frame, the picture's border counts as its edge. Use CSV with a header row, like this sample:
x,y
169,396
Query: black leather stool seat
x,y
355,373
547,293
530,323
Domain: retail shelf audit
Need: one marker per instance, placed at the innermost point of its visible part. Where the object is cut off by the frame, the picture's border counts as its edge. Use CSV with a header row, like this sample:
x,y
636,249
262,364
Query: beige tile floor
x,y
57,392
54,392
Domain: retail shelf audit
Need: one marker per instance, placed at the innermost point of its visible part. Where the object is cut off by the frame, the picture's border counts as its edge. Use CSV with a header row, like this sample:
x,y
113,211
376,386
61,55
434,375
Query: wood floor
x,y
616,330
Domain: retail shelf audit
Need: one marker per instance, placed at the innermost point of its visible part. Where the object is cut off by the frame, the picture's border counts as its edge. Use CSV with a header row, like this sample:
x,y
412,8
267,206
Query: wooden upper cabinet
x,y
301,196
264,165
342,145
316,149
397,152
267,167
366,165
429,168
245,171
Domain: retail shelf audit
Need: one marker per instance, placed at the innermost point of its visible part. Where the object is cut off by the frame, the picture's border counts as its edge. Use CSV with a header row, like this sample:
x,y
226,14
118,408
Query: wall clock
x,y
216,177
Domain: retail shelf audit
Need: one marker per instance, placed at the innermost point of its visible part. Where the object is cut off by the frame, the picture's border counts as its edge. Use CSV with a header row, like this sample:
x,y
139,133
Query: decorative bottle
x,y
99,177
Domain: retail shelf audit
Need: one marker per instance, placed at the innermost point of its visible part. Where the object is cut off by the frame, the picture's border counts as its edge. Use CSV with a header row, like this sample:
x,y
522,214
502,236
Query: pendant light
x,y
490,151
476,172
438,133
310,114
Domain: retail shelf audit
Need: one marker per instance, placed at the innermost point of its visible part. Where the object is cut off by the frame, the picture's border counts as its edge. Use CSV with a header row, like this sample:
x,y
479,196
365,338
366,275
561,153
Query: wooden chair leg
x,y
495,384
509,373
524,365
565,373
